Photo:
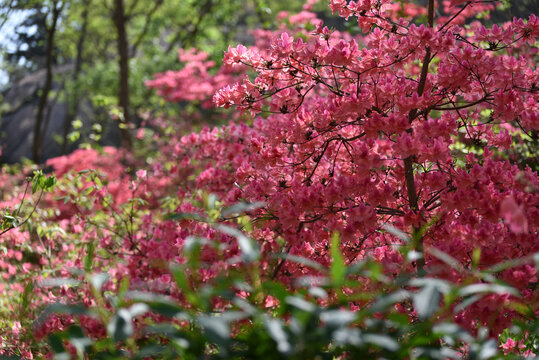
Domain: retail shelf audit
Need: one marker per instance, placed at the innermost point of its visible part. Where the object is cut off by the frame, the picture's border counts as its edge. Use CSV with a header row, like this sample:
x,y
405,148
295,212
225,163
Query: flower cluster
x,y
406,125
365,131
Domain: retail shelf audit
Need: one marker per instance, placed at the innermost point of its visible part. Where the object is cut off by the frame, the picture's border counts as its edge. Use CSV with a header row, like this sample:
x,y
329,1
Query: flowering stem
x,y
417,238
431,13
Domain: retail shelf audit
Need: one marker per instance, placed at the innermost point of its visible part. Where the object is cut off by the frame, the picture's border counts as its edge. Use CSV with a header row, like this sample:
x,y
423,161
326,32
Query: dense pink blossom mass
x,y
412,121
361,131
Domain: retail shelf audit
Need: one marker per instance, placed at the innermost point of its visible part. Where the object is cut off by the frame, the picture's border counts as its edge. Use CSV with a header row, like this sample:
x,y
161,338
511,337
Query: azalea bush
x,y
375,193
415,122
408,317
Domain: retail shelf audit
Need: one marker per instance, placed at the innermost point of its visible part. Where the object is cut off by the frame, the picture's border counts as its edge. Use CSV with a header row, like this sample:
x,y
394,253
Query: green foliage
x,y
156,31
12,218
305,322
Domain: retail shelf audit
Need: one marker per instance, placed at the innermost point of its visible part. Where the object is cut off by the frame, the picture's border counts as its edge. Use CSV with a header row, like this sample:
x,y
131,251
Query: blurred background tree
x,y
96,54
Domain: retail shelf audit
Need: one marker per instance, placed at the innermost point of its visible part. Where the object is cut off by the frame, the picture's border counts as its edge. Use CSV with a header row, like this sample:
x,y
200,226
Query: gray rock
x,y
18,117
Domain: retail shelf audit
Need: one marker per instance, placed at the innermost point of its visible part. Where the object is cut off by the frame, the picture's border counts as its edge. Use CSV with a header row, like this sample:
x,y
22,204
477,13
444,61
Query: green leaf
x,y
467,302
7,217
56,343
399,319
49,183
166,309
338,318
74,309
231,316
413,255
488,350
443,353
211,201
488,288
74,136
446,258
301,304
276,331
164,329
513,263
184,216
384,302
65,199
59,308
276,289
308,281
151,351
178,272
245,306
123,286
217,330
476,257
27,295
193,243
398,233
383,341
160,304
442,285
138,309
98,280
76,337
452,330
318,292
348,336
57,282
427,301
76,124
242,207
120,327
89,258
98,182
301,260
249,249
37,181
338,267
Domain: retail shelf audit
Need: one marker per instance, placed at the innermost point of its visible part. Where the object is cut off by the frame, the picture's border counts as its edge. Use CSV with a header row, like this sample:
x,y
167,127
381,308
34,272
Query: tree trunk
x,y
417,233
120,20
73,103
56,11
